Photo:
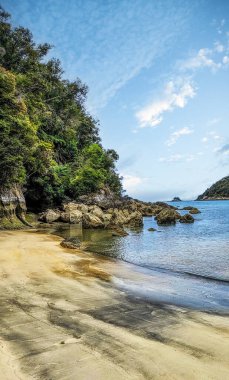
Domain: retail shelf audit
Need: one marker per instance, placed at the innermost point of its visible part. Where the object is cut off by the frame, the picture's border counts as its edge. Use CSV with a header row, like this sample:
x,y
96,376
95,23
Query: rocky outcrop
x,y
12,208
167,217
127,212
187,218
176,199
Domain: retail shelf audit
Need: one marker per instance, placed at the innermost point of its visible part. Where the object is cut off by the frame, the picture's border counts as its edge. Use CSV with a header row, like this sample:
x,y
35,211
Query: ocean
x,y
186,264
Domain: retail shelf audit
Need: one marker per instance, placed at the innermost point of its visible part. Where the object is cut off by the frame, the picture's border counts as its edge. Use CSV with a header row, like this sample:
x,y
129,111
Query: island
x,y
176,199
218,191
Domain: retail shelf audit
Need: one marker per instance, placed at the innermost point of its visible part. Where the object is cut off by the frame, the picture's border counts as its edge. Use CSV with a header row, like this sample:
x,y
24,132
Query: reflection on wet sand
x,y
62,317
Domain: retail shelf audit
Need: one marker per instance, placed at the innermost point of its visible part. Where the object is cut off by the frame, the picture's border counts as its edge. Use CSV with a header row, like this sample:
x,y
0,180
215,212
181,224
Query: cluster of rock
x,y
128,212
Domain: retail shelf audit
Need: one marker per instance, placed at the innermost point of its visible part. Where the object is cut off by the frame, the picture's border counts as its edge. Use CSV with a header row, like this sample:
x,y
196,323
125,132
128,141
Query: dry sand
x,y
63,318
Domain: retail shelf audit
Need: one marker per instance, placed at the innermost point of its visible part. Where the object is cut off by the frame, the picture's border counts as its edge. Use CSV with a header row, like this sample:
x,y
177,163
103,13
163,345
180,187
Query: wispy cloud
x,y
211,136
177,134
179,158
176,94
203,58
223,150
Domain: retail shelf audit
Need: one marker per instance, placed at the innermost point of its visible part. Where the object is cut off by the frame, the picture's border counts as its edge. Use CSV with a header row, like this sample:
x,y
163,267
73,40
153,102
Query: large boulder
x,y
97,211
72,213
136,219
92,221
167,217
187,218
50,216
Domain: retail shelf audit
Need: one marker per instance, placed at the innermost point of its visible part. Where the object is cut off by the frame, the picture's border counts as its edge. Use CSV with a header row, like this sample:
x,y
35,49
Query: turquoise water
x,y
189,261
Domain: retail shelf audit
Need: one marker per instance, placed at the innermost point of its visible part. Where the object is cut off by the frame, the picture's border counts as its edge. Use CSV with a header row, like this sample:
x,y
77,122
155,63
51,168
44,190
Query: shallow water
x,y
190,261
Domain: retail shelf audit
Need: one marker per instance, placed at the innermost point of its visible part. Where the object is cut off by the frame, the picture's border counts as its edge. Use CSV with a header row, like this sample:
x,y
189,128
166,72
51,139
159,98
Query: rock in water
x,y
194,210
71,243
119,232
167,217
176,199
187,218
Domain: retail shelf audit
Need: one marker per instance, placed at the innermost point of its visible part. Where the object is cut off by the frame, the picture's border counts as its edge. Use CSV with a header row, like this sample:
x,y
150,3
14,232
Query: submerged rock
x,y
119,232
71,243
187,218
152,229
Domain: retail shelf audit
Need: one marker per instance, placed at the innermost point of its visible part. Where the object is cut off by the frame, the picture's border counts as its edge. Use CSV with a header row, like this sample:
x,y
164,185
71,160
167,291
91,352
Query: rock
x,y
49,216
176,199
73,217
92,221
167,217
194,210
71,243
119,231
95,210
152,229
72,212
12,208
187,218
136,219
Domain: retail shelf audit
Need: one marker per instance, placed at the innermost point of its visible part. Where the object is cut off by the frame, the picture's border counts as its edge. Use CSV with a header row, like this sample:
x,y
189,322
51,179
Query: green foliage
x,y
48,142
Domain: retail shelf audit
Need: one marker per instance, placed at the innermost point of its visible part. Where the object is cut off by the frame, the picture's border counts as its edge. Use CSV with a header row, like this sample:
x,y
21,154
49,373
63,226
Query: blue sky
x,y
158,74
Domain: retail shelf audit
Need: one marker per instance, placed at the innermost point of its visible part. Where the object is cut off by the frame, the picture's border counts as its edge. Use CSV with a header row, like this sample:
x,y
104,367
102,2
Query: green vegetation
x,y
220,190
49,144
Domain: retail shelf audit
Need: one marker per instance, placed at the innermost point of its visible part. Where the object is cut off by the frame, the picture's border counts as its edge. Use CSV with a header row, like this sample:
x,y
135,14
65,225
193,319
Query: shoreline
x,y
63,316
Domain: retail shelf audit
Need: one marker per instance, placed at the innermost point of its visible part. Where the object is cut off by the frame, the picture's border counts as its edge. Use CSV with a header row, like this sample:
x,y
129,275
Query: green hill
x,y
220,190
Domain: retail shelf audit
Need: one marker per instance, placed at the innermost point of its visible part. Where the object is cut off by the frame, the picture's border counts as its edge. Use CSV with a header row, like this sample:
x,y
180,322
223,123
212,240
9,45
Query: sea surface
x,y
186,264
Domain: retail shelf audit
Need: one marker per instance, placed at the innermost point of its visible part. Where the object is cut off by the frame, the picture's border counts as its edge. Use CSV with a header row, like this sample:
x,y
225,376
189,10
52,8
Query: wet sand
x,y
62,317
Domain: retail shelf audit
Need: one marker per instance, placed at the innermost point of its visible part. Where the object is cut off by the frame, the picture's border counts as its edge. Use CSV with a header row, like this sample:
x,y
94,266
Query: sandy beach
x,y
62,317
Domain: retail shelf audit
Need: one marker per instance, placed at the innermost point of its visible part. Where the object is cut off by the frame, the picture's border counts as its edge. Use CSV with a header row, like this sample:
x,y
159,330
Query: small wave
x,y
183,273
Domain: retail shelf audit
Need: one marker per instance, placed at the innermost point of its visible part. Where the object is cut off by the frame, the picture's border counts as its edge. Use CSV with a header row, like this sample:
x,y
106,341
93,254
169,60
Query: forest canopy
x,y
49,143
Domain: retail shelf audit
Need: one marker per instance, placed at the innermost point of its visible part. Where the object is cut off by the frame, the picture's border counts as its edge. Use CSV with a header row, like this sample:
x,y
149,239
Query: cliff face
x,y
219,190
12,208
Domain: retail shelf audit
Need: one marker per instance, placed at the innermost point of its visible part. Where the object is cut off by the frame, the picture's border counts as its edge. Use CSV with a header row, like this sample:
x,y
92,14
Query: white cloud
x,y
212,135
226,60
177,134
176,94
131,182
201,59
218,47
